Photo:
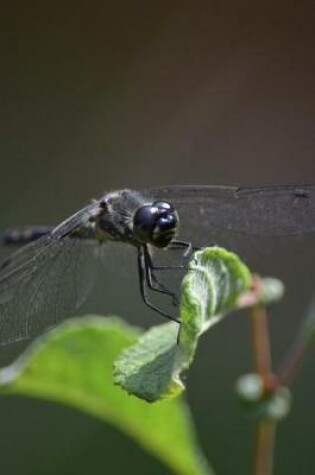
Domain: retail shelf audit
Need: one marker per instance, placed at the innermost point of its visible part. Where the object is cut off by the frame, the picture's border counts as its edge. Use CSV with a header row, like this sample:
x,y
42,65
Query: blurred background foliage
x,y
106,95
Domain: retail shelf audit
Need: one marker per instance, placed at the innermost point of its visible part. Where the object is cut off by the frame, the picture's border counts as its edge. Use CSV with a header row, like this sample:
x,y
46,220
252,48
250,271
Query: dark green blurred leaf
x,y
73,365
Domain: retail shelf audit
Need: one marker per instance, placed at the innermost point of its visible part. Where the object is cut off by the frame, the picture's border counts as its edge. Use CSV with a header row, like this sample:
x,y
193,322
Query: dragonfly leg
x,y
187,246
152,281
143,281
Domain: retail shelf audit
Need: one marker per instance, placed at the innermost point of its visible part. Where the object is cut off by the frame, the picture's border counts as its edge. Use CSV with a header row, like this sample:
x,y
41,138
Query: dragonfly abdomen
x,y
25,235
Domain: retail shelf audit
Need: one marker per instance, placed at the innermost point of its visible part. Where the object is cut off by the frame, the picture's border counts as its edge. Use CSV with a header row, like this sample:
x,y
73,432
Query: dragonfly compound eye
x,y
156,223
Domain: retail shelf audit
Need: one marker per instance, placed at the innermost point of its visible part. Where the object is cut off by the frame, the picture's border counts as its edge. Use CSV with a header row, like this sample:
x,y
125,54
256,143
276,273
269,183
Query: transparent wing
x,y
265,211
39,295
46,280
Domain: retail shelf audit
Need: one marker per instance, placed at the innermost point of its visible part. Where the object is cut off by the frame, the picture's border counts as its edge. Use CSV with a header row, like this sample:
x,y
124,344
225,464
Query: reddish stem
x,y
266,428
264,447
261,345
292,363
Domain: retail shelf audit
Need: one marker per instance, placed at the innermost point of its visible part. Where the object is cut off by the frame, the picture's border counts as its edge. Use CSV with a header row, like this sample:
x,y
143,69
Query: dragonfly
x,y
51,275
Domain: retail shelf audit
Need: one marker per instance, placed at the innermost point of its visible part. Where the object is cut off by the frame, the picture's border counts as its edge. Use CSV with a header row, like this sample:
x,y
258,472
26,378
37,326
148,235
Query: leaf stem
x,y
261,345
264,447
266,427
293,361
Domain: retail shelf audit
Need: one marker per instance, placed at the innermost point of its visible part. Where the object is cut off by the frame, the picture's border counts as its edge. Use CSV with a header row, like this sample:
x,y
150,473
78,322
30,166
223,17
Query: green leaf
x,y
73,365
147,368
151,367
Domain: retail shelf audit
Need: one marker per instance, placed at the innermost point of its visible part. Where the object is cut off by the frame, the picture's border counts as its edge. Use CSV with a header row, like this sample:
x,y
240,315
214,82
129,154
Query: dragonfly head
x,y
155,223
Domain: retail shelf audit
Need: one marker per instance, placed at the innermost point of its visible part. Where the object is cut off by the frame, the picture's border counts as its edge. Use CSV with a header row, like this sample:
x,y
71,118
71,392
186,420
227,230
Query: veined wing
x,y
46,280
266,211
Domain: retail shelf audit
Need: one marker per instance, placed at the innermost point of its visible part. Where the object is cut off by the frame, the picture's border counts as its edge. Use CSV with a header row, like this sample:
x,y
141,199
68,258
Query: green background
x,y
107,95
